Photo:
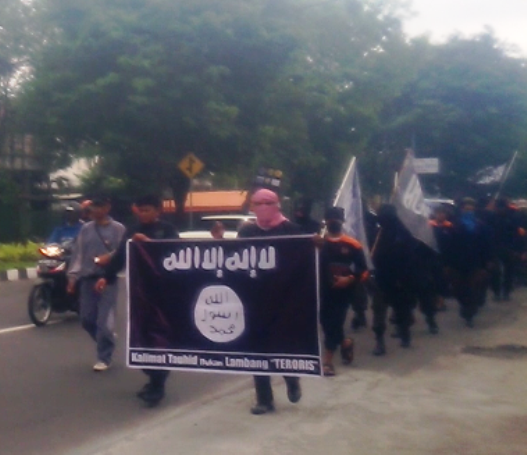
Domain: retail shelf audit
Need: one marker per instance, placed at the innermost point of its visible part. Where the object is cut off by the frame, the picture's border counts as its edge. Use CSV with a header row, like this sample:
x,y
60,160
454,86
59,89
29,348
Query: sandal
x,y
346,351
328,369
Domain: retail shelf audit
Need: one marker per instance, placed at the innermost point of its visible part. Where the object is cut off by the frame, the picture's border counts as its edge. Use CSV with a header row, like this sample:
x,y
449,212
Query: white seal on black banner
x,y
219,314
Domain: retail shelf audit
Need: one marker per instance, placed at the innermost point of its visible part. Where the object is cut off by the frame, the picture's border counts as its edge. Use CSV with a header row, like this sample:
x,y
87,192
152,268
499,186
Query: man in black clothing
x,y
147,210
303,218
397,261
508,247
468,260
270,223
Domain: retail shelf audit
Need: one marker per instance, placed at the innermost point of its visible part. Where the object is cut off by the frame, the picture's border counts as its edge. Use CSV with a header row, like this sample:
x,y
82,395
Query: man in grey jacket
x,y
96,242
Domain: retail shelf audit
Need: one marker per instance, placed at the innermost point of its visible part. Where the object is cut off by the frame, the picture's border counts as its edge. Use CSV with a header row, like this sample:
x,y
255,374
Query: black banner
x,y
230,306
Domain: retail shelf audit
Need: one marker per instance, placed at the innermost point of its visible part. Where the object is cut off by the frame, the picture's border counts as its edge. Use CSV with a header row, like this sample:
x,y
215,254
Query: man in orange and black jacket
x,y
343,267
402,273
469,260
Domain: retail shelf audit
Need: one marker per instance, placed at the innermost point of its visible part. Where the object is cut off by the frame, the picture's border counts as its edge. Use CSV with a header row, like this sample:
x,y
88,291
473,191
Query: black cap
x,y
148,199
100,201
334,213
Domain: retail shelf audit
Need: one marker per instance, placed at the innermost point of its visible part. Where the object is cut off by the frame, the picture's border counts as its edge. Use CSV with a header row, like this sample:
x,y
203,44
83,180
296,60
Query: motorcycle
x,y
49,294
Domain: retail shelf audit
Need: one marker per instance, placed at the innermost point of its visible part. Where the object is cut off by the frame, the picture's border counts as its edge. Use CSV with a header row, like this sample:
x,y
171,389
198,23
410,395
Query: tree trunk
x,y
180,188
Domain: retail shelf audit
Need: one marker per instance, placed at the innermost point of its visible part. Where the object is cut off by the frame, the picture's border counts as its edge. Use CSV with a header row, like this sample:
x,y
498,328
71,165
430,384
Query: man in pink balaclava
x,y
270,223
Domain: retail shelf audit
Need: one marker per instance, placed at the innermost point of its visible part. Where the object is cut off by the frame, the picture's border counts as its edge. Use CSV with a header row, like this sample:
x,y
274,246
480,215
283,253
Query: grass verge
x,y
15,265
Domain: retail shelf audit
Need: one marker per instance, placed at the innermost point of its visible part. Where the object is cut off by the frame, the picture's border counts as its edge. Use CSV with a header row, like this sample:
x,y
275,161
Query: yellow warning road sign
x,y
191,165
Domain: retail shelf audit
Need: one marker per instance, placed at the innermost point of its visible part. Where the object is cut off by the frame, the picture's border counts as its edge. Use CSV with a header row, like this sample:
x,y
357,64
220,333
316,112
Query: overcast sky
x,y
508,18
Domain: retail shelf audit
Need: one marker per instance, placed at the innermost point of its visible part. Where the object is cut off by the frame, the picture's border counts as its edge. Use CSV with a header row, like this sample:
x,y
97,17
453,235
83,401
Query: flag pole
x,y
506,174
346,175
339,192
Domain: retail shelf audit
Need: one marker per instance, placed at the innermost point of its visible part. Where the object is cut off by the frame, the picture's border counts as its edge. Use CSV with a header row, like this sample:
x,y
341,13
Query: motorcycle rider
x,y
71,227
86,210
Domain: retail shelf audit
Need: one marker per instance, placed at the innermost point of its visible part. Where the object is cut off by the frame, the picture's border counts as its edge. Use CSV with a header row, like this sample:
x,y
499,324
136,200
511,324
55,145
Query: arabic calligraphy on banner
x,y
249,259
219,314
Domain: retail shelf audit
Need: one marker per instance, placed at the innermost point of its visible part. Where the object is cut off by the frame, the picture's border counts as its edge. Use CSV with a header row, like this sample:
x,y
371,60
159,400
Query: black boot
x,y
154,390
264,395
358,321
432,325
469,322
144,390
380,347
405,338
261,408
294,391
153,394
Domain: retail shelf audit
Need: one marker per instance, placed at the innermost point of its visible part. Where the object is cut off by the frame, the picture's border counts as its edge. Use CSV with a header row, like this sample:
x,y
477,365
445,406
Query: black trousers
x,y
403,301
379,307
157,377
469,289
264,391
359,298
332,318
427,298
502,276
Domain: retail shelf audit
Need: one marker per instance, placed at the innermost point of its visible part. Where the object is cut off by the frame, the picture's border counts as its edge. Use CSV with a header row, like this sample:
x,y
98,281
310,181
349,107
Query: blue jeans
x,y
97,311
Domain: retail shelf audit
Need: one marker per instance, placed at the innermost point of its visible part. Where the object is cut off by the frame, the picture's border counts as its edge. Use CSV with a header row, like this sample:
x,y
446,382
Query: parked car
x,y
231,222
205,235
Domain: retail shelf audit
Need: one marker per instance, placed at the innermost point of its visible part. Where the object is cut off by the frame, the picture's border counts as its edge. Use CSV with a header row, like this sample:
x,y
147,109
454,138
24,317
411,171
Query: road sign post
x,y
191,166
427,165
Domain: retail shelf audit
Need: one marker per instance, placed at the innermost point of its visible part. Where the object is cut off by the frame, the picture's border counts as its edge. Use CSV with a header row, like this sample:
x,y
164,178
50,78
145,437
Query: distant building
x,y
211,202
17,153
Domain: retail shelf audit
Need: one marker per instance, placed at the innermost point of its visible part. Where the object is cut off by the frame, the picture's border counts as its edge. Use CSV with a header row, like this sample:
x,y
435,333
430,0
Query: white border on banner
x,y
226,371
319,327
240,373
128,303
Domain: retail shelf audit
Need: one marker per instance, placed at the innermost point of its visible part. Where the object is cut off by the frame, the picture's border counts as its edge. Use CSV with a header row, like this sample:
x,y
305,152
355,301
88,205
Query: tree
x,y
467,105
293,84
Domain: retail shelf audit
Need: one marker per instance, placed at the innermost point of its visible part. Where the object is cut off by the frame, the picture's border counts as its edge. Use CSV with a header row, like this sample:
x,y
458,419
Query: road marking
x,y
23,327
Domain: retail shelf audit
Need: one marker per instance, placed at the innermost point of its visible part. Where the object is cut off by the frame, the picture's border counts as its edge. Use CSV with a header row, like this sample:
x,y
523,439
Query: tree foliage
x,y
467,105
290,83
299,85
17,41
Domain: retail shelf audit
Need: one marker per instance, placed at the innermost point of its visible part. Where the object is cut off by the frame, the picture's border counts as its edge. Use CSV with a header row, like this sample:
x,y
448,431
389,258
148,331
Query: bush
x,y
19,252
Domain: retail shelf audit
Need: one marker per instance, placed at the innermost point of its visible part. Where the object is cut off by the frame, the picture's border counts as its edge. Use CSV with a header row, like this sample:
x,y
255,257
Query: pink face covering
x,y
266,207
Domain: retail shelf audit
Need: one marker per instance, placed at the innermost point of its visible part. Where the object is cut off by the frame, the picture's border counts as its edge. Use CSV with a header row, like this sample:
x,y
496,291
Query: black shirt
x,y
158,230
308,225
285,228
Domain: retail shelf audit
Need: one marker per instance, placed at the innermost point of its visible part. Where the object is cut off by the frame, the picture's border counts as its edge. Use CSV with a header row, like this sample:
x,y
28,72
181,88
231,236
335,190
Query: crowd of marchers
x,y
478,248
481,247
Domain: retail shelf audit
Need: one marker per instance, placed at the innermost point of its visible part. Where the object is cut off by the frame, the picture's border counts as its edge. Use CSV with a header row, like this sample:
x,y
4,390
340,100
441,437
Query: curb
x,y
18,274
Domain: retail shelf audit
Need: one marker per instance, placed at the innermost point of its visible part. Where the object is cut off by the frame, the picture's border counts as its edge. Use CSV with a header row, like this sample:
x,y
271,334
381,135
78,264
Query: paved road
x,y
462,392
51,402
457,392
